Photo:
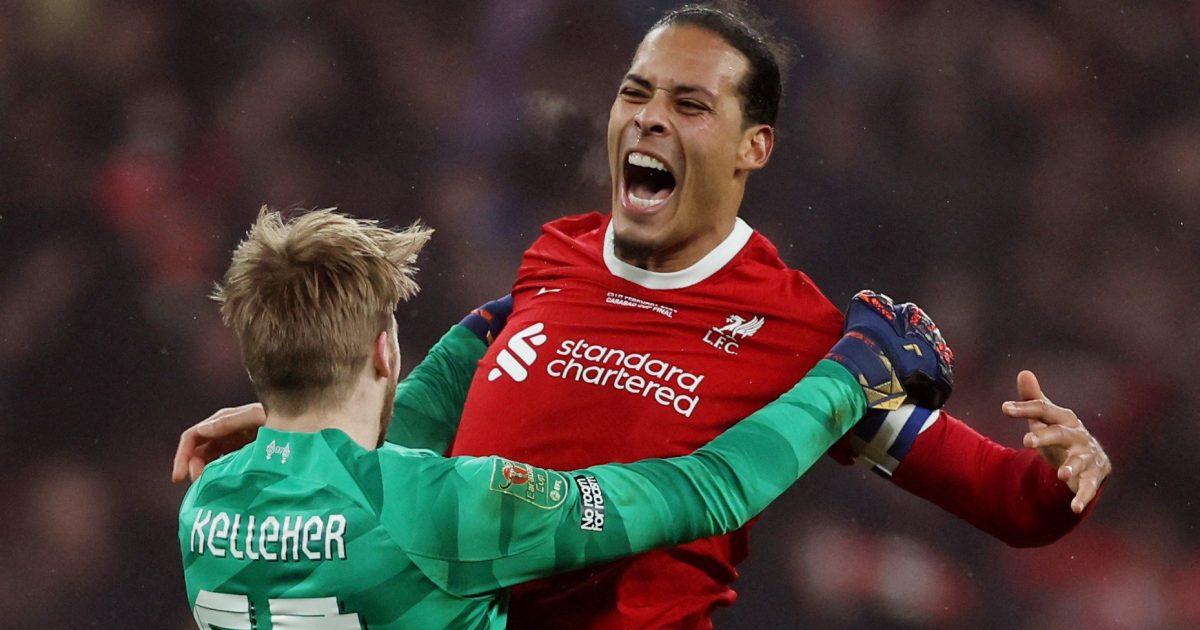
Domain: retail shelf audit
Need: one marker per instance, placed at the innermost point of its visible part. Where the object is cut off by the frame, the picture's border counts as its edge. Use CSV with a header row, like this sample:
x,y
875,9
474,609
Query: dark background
x,y
1027,171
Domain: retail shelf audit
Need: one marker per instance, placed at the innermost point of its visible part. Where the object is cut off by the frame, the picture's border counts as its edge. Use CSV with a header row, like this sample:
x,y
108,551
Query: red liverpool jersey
x,y
604,362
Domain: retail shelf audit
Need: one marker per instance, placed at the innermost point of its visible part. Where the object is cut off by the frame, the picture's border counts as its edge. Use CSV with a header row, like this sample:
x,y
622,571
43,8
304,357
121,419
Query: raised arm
x,y
513,522
429,401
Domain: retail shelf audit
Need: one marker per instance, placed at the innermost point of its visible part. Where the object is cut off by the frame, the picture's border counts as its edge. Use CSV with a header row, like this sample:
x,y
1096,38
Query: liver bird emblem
x,y
737,326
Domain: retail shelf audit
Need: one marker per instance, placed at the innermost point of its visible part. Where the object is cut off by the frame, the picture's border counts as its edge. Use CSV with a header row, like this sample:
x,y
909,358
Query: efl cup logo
x,y
515,475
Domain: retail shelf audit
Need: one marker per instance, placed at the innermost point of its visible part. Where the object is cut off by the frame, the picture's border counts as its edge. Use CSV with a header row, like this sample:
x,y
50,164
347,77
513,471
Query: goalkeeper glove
x,y
895,352
488,320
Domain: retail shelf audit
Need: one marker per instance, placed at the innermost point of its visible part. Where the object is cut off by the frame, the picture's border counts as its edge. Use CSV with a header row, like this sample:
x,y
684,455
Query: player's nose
x,y
651,117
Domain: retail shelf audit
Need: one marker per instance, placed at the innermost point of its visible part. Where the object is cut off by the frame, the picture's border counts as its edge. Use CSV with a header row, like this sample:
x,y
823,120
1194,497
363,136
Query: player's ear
x,y
384,355
755,149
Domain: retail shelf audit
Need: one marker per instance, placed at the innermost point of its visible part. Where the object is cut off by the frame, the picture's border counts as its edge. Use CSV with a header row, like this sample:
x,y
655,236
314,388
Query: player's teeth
x,y
639,202
641,159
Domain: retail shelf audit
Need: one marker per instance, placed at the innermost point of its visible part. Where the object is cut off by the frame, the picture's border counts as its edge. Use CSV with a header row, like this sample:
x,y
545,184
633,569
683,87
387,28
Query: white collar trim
x,y
704,268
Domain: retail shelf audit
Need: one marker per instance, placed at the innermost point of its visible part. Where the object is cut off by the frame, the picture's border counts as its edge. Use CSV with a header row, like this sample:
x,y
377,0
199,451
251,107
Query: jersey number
x,y
215,611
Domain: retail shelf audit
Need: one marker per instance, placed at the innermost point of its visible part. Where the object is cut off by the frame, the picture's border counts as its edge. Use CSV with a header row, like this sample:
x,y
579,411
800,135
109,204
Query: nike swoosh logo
x,y
545,290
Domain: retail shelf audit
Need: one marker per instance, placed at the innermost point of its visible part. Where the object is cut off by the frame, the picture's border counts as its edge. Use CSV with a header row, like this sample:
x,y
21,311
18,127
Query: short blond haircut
x,y
307,297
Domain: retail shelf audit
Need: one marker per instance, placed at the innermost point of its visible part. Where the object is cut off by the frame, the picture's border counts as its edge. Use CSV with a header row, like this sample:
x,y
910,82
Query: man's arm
x,y
490,523
1026,497
480,524
429,401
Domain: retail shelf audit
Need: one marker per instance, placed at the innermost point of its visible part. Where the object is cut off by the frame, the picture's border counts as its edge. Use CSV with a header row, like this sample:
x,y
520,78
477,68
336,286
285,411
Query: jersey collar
x,y
698,272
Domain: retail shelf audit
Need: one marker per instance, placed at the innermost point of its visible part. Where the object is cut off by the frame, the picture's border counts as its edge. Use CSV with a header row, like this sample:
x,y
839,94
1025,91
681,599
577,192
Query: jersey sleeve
x,y
429,401
488,523
1012,494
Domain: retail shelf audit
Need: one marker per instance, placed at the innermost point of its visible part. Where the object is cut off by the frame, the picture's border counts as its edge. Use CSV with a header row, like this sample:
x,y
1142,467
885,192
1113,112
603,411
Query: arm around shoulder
x,y
429,401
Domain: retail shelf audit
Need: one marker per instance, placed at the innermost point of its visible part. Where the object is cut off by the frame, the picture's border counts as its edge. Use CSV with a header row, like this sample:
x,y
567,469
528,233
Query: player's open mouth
x,y
648,182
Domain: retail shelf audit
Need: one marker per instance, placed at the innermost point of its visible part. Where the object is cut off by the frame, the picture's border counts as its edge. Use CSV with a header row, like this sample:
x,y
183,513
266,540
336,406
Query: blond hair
x,y
307,297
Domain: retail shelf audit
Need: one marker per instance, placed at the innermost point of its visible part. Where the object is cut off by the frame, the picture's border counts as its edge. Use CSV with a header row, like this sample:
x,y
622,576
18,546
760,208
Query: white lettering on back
x,y
197,540
241,536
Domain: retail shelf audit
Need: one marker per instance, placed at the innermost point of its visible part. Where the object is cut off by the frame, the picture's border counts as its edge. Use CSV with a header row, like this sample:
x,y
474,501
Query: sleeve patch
x,y
592,499
542,488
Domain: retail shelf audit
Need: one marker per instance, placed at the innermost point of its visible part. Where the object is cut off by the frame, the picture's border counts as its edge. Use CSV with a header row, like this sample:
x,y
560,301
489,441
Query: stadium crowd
x,y
1029,173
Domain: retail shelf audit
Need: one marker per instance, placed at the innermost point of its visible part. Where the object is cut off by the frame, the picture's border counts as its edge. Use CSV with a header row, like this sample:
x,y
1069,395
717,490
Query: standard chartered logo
x,y
638,373
515,359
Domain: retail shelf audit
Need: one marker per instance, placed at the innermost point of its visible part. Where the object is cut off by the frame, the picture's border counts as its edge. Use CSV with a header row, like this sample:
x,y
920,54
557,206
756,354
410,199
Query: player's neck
x,y
701,242
357,415
702,238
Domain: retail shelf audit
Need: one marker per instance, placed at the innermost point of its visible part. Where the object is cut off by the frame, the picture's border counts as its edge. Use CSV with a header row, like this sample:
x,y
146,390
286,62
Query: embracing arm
x,y
430,400
513,522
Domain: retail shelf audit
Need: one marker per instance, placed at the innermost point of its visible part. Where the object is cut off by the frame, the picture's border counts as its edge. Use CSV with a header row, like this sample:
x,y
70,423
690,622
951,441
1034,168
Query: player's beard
x,y
633,252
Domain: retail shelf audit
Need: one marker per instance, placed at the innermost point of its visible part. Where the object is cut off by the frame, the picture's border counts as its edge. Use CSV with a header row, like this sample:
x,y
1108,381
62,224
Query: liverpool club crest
x,y
729,336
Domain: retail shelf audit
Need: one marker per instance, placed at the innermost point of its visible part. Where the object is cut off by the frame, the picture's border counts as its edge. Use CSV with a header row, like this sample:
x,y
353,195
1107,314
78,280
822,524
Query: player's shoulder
x,y
760,261
577,231
760,251
576,226
571,241
227,465
401,461
225,470
391,450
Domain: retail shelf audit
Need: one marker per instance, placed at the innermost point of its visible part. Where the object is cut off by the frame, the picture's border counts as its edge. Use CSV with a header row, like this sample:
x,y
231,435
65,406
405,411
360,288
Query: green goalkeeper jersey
x,y
310,530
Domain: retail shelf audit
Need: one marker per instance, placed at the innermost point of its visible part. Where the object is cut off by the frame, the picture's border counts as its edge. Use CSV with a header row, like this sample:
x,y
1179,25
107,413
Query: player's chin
x,y
635,243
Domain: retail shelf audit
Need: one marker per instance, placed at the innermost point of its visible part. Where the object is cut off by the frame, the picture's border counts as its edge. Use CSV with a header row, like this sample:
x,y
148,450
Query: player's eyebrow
x,y
678,89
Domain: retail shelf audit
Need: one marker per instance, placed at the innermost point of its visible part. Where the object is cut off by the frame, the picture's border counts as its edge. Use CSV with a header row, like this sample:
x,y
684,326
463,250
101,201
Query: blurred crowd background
x,y
1027,171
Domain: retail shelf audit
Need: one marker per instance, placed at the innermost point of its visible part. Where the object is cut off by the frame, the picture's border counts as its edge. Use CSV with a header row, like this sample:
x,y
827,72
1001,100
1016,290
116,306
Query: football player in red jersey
x,y
647,331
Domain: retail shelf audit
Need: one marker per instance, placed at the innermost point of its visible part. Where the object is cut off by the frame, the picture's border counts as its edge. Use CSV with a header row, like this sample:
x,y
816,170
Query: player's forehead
x,y
671,56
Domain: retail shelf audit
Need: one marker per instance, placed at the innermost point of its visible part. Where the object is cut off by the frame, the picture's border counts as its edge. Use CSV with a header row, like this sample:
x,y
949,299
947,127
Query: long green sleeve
x,y
487,523
429,401
314,528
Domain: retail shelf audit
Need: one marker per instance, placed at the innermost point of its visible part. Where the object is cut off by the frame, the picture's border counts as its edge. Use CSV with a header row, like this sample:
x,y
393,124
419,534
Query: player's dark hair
x,y
747,31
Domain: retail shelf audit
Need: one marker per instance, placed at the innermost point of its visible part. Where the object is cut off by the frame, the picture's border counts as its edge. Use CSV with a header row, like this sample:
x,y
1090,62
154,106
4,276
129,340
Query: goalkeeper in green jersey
x,y
315,525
